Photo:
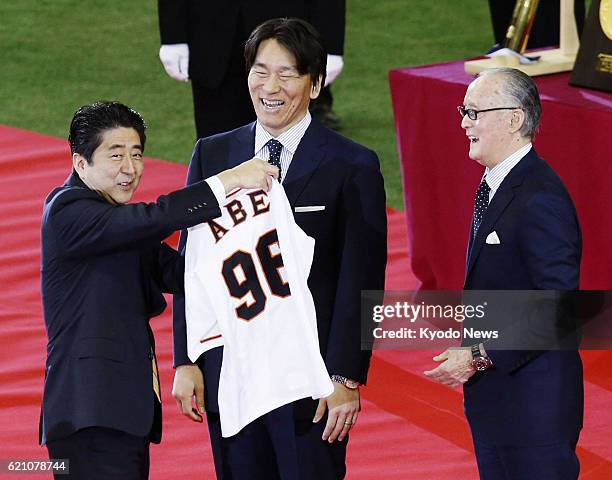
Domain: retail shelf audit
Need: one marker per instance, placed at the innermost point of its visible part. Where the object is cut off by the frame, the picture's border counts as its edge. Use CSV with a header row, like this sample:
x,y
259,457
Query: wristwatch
x,y
350,384
479,362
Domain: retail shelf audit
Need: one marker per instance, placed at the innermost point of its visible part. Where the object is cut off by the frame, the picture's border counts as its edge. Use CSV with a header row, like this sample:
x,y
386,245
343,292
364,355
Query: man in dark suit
x,y
336,191
104,269
203,42
524,407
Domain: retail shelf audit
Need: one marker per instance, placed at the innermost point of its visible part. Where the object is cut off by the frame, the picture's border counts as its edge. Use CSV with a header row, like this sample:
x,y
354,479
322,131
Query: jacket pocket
x,y
98,347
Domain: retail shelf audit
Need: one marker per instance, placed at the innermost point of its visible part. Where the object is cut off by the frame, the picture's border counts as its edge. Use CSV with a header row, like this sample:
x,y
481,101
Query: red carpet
x,y
410,427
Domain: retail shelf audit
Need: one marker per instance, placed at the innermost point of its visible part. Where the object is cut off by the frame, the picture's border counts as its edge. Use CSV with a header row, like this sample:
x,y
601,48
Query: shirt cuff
x,y
217,188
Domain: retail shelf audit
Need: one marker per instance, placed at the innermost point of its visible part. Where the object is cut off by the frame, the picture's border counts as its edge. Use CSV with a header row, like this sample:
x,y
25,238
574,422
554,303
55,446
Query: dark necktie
x,y
274,149
481,202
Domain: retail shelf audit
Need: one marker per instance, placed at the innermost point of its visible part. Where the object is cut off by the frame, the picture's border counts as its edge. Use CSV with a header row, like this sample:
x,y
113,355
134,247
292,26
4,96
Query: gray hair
x,y
520,87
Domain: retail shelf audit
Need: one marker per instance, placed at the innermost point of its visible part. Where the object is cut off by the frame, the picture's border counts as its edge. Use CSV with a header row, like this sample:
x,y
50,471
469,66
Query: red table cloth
x,y
575,138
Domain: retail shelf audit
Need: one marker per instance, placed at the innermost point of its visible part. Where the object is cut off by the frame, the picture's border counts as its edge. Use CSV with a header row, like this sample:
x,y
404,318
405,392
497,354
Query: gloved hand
x,y
334,67
175,59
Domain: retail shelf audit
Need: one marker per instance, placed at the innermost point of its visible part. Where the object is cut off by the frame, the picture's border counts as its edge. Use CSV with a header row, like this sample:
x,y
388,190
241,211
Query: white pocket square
x,y
492,239
314,208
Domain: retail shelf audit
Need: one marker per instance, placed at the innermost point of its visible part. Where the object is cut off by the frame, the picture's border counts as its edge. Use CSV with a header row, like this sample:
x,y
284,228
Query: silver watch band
x,y
348,383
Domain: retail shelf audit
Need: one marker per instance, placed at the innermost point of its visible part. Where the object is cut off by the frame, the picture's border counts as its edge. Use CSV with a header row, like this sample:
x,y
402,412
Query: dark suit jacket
x,y
103,274
351,238
211,26
527,397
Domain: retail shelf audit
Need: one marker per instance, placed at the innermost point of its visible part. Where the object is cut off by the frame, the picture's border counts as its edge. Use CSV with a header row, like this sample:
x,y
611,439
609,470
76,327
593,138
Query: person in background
x,y
203,41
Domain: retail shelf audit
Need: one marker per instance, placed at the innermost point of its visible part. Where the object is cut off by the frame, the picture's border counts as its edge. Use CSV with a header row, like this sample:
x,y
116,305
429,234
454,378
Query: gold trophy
x,y
519,29
593,67
548,61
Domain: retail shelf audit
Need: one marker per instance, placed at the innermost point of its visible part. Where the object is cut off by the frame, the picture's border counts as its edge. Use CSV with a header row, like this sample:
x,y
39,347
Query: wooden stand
x,y
551,61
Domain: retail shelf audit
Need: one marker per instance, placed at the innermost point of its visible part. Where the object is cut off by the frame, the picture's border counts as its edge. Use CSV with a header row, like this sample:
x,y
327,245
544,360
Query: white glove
x,y
175,59
334,67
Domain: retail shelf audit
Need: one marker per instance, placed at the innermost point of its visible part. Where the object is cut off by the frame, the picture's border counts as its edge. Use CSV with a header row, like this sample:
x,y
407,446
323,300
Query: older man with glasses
x,y
524,408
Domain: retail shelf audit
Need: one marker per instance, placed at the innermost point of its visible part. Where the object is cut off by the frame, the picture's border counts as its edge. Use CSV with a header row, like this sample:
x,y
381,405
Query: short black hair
x,y
91,121
297,36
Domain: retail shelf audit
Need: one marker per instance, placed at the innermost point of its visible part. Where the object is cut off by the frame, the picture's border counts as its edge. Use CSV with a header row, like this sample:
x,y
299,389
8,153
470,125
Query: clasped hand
x,y
455,369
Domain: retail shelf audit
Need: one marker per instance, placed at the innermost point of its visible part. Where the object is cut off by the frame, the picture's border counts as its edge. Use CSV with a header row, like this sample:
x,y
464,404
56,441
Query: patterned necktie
x,y
481,202
274,149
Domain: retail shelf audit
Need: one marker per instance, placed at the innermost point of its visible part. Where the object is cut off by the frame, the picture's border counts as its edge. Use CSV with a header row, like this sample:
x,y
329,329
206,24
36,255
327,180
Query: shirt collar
x,y
495,176
290,139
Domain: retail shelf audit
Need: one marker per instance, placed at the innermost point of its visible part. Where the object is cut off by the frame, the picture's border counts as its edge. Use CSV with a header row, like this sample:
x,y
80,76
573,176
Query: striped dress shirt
x,y
495,176
289,139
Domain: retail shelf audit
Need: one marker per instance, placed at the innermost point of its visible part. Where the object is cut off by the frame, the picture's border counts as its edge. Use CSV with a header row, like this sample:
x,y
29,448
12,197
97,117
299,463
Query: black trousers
x,y
99,453
277,447
227,106
544,462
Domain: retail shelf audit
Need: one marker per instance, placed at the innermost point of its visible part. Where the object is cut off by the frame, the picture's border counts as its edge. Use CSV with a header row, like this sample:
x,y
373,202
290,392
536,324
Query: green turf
x,y
59,54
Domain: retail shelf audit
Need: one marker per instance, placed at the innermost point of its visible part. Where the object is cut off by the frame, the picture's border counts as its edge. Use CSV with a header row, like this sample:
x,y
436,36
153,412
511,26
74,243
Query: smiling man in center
x,y
336,192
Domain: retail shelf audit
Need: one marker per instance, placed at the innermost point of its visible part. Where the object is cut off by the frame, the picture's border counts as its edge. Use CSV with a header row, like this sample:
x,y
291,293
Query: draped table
x,y
575,138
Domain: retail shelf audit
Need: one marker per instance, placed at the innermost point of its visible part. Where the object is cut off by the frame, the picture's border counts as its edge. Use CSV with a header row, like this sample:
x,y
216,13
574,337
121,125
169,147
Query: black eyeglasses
x,y
473,114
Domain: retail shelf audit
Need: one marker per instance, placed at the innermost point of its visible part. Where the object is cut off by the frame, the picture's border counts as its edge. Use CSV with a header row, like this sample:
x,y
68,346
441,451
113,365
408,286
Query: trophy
x,y
593,67
519,29
539,62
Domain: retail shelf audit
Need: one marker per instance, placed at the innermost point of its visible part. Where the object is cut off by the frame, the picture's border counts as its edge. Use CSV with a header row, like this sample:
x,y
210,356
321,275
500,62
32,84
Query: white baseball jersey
x,y
245,289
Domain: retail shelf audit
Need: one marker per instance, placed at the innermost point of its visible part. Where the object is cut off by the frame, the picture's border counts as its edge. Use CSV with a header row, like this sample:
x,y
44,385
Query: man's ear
x,y
316,89
517,120
78,163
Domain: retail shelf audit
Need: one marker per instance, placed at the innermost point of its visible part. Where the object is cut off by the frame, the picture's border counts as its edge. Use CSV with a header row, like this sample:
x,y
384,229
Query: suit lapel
x,y
305,162
501,199
243,146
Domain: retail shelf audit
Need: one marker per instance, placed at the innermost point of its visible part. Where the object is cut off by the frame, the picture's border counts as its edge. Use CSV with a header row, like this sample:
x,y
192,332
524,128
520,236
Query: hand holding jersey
x,y
255,173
